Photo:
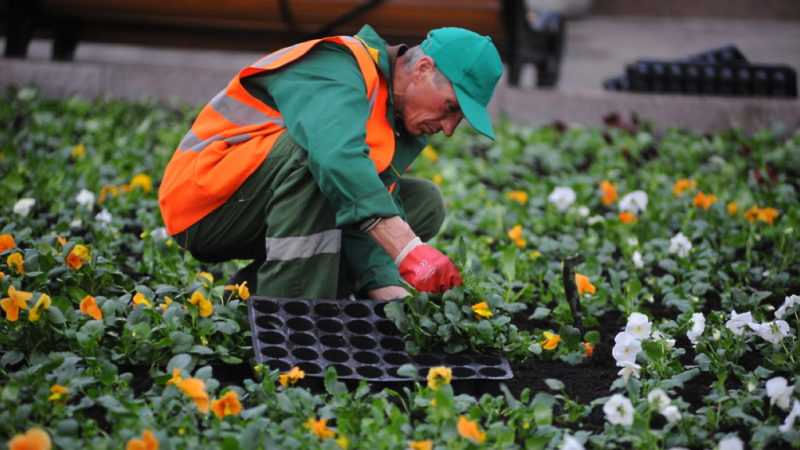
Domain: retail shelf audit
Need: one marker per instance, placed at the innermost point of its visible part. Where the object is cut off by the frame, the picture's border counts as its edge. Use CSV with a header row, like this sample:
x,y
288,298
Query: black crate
x,y
354,337
719,71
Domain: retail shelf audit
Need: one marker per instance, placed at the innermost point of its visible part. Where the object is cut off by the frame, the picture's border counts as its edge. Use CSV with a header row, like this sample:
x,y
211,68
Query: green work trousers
x,y
280,219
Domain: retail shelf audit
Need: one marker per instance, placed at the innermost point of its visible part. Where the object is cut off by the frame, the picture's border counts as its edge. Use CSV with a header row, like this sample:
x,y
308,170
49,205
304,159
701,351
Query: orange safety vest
x,y
235,132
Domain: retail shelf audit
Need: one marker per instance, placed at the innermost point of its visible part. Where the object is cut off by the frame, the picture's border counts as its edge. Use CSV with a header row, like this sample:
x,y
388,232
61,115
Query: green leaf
x,y
226,326
181,342
394,312
540,313
668,264
592,337
554,384
408,371
201,350
570,335
542,414
452,312
229,443
112,404
484,328
55,316
653,349
76,293
11,357
703,361
181,361
10,392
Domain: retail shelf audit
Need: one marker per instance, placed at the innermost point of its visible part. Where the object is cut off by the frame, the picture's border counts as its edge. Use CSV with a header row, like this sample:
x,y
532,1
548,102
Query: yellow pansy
x,y
437,376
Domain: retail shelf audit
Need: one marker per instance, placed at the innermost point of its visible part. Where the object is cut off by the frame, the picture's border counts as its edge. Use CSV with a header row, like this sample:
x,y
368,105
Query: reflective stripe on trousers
x,y
298,247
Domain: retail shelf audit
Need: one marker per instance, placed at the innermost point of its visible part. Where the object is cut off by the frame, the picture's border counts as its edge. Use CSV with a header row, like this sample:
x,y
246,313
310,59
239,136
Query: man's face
x,y
429,105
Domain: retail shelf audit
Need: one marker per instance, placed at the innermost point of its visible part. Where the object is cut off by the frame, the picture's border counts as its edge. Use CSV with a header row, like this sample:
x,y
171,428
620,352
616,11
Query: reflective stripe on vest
x,y
235,131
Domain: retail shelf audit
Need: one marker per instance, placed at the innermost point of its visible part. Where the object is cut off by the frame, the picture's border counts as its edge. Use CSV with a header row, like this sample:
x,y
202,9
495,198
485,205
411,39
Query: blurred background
x,y
566,60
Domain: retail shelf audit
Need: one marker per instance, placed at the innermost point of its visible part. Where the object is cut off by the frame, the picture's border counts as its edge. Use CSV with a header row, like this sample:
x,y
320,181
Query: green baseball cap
x,y
471,63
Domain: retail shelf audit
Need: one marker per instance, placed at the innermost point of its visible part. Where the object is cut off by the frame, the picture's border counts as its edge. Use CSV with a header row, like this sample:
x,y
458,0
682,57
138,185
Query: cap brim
x,y
475,113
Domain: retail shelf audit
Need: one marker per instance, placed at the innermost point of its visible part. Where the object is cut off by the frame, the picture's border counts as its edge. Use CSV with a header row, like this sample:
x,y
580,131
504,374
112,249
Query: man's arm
x,y
422,266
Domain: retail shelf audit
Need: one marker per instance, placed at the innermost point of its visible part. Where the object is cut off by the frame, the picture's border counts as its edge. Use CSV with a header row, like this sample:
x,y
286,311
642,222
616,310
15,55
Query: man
x,y
297,164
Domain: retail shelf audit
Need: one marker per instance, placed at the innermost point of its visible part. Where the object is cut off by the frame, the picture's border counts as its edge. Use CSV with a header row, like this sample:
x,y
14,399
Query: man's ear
x,y
424,66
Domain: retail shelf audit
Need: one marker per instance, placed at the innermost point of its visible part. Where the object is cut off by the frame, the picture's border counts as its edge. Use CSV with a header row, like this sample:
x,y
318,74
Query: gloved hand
x,y
427,269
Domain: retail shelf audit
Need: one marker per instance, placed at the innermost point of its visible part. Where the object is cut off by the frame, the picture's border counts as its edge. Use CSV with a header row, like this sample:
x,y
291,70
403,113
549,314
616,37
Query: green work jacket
x,y
323,100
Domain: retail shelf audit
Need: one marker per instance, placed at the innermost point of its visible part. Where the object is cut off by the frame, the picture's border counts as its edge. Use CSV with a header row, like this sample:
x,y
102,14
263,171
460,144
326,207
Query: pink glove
x,y
427,269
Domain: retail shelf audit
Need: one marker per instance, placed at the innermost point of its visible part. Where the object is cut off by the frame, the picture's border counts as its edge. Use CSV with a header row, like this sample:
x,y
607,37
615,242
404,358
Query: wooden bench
x,y
264,25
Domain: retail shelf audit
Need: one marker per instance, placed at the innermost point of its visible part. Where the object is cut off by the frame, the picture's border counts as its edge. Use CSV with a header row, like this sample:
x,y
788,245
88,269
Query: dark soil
x,y
584,382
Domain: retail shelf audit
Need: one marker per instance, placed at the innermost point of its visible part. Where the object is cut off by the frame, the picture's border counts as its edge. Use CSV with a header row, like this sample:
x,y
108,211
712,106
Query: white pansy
x,y
626,347
788,423
738,322
731,443
103,216
772,332
23,206
671,413
76,223
562,197
584,211
779,392
658,398
788,302
633,242
638,262
570,443
85,198
639,326
619,410
628,369
680,244
595,219
698,326
635,202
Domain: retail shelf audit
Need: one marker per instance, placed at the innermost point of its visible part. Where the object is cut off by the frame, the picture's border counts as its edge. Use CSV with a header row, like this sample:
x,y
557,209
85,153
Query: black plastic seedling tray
x,y
353,336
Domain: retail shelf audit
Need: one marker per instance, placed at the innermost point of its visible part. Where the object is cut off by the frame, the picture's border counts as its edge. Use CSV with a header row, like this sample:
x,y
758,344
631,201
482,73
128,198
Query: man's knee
x,y
424,205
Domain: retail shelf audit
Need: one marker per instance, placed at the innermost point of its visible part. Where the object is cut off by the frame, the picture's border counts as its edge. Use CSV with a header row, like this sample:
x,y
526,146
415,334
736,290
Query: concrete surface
x,y
597,48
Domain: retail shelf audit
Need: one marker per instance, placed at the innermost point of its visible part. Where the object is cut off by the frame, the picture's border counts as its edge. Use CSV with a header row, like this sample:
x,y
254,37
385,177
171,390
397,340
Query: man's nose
x,y
449,124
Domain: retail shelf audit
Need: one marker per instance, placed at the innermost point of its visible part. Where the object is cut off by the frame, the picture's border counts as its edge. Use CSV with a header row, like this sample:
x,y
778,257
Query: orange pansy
x,y
584,285
293,376
147,442
195,388
15,301
6,242
609,190
481,310
33,439
470,430
77,256
319,428
683,185
421,445
515,233
520,197
628,217
703,200
89,307
550,341
227,405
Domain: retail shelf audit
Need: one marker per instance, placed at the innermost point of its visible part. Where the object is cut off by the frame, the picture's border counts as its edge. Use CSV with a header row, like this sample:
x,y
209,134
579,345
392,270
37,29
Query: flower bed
x,y
644,289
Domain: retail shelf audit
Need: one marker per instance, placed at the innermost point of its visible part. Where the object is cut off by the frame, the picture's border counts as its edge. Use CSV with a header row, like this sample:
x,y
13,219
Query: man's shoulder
x,y
371,37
